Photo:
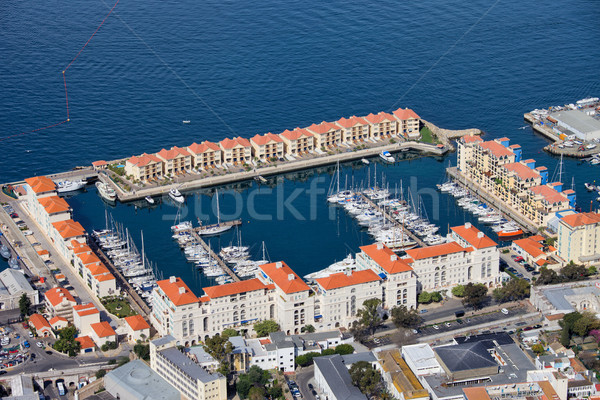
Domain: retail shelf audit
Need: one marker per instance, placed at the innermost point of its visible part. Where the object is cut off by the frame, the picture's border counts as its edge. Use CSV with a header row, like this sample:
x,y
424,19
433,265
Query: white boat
x,y
176,195
13,263
590,146
4,252
106,191
595,161
69,186
387,157
149,199
365,161
186,121
215,229
590,187
347,264
182,226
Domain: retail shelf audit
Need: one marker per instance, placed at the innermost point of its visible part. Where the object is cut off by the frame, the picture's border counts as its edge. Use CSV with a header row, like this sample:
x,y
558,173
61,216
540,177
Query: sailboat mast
x,y
218,211
143,254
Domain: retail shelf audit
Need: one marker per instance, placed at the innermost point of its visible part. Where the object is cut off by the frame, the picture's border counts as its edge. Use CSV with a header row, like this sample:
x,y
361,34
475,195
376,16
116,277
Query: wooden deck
x,y
214,255
391,218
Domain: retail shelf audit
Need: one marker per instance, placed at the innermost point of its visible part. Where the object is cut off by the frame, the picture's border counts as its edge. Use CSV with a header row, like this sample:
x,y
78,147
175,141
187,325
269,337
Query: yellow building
x,y
205,155
354,129
267,146
579,238
400,381
236,150
176,161
327,135
146,167
408,123
297,142
383,125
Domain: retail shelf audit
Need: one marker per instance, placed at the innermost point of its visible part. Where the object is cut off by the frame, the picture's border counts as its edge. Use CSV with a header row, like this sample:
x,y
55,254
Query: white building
x,y
13,285
421,359
333,379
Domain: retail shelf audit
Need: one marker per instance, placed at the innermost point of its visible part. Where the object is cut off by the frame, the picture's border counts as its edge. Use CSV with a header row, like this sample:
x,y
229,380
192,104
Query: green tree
x,y
24,304
256,393
100,373
538,349
458,291
229,332
308,328
242,386
565,337
343,349
475,295
66,343
547,277
405,318
142,351
359,331
573,272
369,315
263,328
592,270
436,297
366,378
424,297
586,323
275,391
218,347
514,289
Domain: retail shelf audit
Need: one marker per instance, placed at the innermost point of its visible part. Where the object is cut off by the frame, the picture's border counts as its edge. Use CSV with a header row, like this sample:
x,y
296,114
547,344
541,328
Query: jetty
x,y
393,220
213,255
233,222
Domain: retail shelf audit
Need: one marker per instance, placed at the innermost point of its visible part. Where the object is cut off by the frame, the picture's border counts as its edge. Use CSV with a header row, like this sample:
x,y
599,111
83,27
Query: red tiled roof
x,y
266,138
137,322
549,194
281,277
471,235
54,204
340,279
323,128
530,246
88,258
41,184
39,322
56,295
541,168
86,342
522,170
496,148
69,228
231,143
434,251
79,247
588,218
172,153
476,393
350,122
103,329
514,146
104,277
144,159
229,289
472,139
295,134
97,269
54,320
178,292
203,147
99,163
204,299
85,309
386,258
404,114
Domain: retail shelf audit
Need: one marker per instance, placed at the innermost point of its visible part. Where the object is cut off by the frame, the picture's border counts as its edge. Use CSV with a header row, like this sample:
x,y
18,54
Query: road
x,y
512,263
304,377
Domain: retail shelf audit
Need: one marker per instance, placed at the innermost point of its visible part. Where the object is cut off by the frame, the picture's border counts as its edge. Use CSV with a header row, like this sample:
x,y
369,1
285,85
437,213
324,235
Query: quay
x,y
233,222
390,218
136,301
505,210
214,255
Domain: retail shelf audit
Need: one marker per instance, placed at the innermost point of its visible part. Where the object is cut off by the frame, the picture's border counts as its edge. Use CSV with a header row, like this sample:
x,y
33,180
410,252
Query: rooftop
x,y
177,291
351,122
588,218
295,134
386,258
69,228
188,366
137,322
235,142
41,184
57,295
496,149
266,138
530,246
473,236
284,277
402,377
522,170
579,121
144,159
173,153
405,113
337,377
435,251
551,195
15,281
54,204
234,288
203,147
85,309
103,329
86,342
137,381
341,279
465,356
39,322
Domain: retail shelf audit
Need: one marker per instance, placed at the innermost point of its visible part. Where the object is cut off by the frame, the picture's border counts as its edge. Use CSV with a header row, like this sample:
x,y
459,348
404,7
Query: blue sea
x,y
241,68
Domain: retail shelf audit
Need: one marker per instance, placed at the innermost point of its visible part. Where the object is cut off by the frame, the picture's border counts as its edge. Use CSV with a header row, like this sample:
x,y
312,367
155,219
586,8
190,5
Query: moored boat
x,y
149,199
510,232
176,195
365,161
69,186
5,252
387,157
106,191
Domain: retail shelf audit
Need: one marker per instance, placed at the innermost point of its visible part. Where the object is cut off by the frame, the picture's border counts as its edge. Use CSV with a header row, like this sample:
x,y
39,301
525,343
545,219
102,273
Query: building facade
x,y
579,238
145,168
205,155
266,147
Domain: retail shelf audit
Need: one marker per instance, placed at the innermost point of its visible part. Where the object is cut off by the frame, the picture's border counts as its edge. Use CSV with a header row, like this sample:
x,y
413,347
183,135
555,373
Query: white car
x,y
40,345
504,311
436,327
30,334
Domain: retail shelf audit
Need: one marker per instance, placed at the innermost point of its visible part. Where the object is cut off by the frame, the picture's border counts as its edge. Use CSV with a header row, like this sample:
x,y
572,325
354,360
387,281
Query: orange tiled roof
x,y
88,258
178,292
588,218
280,274
323,128
229,289
434,251
85,309
340,279
54,204
137,322
471,235
56,295
99,163
203,147
39,322
541,262
549,194
496,148
405,114
477,393
41,184
69,228
43,252
144,159
386,258
56,319
79,247
86,342
266,138
231,143
295,134
471,139
104,277
352,121
530,246
103,329
172,153
97,269
522,170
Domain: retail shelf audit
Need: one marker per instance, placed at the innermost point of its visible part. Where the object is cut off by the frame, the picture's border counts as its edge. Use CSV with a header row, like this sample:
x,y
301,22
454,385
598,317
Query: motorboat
x,y
510,231
187,121
590,187
182,226
176,195
387,157
106,191
364,161
4,252
69,186
149,199
13,263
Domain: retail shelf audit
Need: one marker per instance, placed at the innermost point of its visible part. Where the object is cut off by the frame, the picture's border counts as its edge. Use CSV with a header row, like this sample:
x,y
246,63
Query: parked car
x,y
448,324
422,311
30,334
40,345
504,311
26,344
519,259
436,327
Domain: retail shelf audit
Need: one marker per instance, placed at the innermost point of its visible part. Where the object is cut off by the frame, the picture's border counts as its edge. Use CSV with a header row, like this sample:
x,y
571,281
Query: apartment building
x,y
383,125
579,238
354,129
267,146
327,135
84,315
37,188
145,168
53,209
60,302
297,142
205,155
175,161
236,150
409,123
189,378
339,296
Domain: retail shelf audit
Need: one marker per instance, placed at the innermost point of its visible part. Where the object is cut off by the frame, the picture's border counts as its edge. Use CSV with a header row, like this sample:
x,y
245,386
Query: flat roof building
x,y
333,379
582,125
137,381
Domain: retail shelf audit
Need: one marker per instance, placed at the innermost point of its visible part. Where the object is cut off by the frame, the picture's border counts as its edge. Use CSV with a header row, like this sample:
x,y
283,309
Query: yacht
x,y
216,229
149,199
387,157
13,263
106,191
4,252
176,195
182,226
510,232
365,161
69,186
347,264
590,187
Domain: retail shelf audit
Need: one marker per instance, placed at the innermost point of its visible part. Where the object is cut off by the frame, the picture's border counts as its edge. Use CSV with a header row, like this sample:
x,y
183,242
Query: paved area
x,y
304,378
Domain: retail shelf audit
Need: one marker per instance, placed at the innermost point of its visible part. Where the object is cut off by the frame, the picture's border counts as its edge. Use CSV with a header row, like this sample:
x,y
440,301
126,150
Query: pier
x,y
233,222
393,220
136,300
489,198
214,255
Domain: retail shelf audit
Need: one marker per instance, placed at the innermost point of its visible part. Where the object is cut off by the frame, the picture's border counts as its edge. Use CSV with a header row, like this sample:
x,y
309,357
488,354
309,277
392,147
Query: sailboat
x,y
215,229
338,196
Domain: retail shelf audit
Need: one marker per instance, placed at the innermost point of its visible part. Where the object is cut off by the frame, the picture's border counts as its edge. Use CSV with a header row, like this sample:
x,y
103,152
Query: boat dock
x,y
503,209
390,218
136,300
214,255
234,222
